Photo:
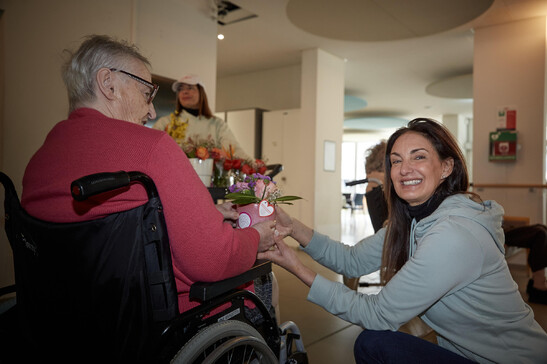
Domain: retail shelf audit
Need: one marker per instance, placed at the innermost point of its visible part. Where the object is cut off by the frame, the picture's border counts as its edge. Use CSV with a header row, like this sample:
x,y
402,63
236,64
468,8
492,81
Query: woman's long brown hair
x,y
396,244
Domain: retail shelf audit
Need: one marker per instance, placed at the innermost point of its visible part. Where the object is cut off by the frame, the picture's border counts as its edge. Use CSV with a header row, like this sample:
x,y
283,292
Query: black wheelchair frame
x,y
126,309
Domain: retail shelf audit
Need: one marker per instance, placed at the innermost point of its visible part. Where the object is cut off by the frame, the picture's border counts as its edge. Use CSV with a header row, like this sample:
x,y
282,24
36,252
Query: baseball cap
x,y
189,80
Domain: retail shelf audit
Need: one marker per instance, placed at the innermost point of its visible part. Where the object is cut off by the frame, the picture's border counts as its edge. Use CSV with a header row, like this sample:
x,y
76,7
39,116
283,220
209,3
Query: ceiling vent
x,y
230,13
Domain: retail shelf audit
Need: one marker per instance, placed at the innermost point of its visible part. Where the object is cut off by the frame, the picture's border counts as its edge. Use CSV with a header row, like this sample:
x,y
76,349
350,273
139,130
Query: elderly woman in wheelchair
x,y
104,270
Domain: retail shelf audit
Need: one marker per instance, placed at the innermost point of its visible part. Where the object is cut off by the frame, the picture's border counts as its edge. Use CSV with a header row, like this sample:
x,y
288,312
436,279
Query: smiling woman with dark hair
x,y
441,258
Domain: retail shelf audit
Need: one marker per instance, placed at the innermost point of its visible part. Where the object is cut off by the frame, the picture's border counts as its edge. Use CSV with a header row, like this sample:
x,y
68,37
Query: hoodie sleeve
x,y
447,258
352,261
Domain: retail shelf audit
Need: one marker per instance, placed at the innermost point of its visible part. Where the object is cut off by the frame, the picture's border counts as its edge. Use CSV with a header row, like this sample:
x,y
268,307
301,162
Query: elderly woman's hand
x,y
228,211
266,231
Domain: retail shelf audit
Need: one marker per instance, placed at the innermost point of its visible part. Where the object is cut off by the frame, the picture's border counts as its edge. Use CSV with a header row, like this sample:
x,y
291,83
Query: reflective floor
x,y
329,339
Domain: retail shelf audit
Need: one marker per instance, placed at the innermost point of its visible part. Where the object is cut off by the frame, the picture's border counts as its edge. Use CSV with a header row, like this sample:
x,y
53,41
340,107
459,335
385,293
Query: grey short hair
x,y
96,52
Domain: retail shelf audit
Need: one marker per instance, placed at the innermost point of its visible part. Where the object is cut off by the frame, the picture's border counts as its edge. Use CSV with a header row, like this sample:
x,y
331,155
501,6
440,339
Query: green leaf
x,y
287,198
240,198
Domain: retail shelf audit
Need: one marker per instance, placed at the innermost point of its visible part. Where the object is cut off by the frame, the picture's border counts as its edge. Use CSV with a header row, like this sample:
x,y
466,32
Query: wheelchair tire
x,y
223,340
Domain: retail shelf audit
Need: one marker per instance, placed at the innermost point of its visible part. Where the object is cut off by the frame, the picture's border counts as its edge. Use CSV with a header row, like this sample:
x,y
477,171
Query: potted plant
x,y
256,197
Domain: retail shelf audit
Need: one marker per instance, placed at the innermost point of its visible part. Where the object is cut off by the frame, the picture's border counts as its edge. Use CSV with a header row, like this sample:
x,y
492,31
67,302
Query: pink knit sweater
x,y
203,247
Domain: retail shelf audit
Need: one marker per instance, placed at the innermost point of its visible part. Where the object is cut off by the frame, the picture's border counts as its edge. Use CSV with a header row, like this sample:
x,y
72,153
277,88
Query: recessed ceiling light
x,y
220,36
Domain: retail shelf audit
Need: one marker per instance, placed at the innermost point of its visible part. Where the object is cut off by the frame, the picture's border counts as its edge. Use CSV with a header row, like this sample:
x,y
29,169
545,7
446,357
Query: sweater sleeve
x,y
204,248
447,259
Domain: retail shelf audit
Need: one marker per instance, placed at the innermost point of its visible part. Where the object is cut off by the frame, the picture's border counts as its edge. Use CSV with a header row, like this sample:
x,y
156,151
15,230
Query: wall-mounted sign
x,y
503,145
507,118
329,156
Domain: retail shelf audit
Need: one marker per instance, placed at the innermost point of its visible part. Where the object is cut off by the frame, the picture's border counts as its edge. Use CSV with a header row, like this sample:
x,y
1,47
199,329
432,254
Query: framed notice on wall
x,y
329,157
507,118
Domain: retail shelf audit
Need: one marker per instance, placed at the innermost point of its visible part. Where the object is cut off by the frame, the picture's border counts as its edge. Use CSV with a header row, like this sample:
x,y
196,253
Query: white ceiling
x,y
394,49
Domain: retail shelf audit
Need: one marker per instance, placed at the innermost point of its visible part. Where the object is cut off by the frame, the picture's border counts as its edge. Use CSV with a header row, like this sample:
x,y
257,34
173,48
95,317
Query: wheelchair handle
x,y
97,183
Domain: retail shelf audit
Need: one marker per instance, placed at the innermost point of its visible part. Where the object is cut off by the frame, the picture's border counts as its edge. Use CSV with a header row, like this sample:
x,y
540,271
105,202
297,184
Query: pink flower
x,y
260,186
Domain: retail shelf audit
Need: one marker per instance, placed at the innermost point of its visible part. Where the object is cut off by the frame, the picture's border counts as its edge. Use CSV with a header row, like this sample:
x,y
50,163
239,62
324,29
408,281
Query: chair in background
x,y
347,200
357,201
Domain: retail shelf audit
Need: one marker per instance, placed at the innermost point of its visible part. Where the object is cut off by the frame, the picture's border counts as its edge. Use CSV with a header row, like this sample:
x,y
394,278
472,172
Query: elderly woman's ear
x,y
105,83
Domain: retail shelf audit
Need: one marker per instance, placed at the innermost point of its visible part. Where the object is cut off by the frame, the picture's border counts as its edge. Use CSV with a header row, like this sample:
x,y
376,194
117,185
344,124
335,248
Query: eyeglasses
x,y
153,88
185,87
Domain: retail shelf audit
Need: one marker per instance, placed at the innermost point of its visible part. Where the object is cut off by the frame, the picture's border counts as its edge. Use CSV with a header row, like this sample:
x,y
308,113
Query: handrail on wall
x,y
505,185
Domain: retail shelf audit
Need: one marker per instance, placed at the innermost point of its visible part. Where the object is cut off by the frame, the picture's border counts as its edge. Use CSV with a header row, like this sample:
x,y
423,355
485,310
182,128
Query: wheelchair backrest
x,y
103,287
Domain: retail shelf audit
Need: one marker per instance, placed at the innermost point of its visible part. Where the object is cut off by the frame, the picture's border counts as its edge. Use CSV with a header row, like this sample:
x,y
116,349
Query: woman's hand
x,y
287,226
228,211
286,257
284,223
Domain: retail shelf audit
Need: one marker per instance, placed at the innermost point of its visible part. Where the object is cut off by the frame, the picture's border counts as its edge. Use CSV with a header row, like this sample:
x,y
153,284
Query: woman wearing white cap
x,y
193,117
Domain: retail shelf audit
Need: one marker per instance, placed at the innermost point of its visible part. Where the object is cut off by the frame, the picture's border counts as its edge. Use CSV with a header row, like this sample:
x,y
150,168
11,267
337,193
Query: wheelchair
x,y
104,291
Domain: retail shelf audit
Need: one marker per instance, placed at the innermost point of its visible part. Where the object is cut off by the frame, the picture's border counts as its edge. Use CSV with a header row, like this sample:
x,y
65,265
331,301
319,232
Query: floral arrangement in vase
x,y
203,148
256,197
230,168
225,166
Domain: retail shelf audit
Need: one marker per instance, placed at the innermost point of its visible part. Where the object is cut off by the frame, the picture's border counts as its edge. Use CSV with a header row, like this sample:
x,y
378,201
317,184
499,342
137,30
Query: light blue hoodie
x,y
456,280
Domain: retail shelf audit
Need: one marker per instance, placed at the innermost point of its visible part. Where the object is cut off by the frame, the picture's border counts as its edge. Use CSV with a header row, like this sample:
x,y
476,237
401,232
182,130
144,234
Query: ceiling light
x,y
220,36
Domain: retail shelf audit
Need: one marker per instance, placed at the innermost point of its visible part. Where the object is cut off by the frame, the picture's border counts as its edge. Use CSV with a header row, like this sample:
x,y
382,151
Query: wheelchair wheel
x,y
226,342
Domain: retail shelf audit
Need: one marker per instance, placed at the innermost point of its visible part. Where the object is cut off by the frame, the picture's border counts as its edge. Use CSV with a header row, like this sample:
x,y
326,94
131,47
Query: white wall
x,y
37,31
179,38
509,70
274,89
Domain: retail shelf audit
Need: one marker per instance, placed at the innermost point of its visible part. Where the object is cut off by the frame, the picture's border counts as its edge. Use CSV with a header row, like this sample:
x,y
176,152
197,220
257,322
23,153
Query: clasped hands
x,y
270,232
271,245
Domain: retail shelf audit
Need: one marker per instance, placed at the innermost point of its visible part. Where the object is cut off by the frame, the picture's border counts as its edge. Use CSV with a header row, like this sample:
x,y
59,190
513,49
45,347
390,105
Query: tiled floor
x,y
329,339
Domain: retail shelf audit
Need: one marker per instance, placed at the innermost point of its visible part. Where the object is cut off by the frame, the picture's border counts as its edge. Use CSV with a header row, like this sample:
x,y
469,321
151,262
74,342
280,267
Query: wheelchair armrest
x,y
204,291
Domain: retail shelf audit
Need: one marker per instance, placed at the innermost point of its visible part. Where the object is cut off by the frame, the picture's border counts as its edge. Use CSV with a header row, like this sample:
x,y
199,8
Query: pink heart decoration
x,y
265,209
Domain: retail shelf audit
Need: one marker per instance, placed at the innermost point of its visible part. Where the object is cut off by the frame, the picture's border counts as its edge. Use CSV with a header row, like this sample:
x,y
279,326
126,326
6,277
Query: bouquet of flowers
x,y
201,148
256,188
176,128
227,167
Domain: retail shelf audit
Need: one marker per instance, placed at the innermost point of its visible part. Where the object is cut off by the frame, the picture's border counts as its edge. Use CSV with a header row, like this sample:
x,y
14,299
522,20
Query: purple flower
x,y
238,187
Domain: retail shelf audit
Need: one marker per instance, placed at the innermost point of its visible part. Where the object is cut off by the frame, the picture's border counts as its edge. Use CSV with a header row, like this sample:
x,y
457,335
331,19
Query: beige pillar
x,y
321,128
509,71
